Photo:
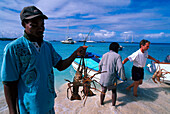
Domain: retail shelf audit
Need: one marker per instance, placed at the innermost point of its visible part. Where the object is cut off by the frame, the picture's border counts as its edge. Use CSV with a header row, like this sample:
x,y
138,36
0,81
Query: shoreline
x,y
152,98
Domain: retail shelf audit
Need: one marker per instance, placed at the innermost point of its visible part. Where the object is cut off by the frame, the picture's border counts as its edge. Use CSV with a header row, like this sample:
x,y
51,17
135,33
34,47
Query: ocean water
x,y
158,51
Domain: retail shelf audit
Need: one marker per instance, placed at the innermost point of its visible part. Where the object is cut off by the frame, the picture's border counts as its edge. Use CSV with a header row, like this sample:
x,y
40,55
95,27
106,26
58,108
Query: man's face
x,y
145,47
35,27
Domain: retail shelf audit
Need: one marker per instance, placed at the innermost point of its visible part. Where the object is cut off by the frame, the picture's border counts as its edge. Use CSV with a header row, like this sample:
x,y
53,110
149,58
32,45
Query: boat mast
x,y
88,35
67,33
132,39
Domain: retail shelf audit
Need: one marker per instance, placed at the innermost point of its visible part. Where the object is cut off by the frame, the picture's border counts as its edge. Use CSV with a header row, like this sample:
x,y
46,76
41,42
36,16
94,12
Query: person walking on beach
x,y
112,64
139,60
27,67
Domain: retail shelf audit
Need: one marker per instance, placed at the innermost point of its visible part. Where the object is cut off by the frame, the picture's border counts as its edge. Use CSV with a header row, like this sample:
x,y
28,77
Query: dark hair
x,y
114,46
24,22
143,42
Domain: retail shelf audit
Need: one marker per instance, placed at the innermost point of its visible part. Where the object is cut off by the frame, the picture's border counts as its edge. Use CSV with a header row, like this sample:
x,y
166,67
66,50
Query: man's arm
x,y
63,64
120,68
11,95
149,57
125,60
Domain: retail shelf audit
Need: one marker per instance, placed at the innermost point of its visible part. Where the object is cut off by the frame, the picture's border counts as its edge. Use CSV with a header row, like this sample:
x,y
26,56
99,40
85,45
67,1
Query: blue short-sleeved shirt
x,y
34,70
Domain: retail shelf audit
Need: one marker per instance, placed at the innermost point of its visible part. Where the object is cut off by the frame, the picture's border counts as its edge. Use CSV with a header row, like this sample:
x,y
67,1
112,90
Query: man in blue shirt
x,y
27,67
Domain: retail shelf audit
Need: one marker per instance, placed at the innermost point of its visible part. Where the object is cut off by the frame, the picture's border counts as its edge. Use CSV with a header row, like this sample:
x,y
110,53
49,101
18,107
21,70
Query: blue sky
x,y
113,20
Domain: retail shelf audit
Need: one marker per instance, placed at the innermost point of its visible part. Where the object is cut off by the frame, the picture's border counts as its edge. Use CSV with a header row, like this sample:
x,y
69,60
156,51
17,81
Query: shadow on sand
x,y
144,94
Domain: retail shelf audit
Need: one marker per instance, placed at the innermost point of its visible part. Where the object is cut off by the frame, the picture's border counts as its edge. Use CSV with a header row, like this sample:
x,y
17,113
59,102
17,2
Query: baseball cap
x,y
31,12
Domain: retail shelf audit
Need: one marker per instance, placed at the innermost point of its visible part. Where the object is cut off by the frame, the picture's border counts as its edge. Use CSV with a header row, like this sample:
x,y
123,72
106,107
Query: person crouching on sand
x,y
111,62
139,60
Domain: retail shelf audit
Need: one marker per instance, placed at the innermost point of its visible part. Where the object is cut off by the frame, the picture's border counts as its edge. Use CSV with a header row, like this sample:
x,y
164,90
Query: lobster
x,y
159,73
80,80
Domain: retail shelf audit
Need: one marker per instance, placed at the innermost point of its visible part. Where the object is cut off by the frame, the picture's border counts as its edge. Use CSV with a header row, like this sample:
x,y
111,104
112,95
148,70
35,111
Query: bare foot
x,y
135,95
114,107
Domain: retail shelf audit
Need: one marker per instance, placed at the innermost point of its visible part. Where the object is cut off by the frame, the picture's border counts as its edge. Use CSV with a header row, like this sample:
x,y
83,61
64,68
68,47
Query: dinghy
x,y
165,69
92,63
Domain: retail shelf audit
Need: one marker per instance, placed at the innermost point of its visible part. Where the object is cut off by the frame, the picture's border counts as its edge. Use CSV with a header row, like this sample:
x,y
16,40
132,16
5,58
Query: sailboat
x,y
82,40
90,41
102,41
69,40
126,40
132,39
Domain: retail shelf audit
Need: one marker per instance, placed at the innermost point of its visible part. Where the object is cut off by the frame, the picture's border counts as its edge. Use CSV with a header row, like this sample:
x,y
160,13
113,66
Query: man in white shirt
x,y
139,60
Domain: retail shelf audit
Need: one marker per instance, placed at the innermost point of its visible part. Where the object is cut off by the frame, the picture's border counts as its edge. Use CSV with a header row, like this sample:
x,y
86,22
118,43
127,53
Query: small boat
x,y
126,41
132,39
166,68
92,63
154,67
82,41
120,48
102,41
90,41
68,41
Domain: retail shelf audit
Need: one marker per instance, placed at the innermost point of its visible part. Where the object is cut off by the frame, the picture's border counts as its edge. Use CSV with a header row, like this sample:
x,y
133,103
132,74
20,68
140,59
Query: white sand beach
x,y
3,106
152,99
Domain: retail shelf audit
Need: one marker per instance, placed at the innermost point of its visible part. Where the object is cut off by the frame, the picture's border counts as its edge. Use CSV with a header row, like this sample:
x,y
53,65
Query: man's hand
x,y
81,51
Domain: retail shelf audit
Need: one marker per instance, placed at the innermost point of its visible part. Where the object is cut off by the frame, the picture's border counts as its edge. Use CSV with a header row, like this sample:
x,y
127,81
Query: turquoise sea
x,y
156,50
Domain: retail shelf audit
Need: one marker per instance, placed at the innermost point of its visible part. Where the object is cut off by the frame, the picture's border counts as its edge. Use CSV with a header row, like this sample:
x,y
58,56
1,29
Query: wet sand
x,y
3,106
152,99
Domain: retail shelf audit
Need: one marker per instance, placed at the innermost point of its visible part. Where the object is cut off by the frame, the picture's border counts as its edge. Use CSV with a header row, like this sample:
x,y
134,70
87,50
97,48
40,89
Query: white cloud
x,y
103,31
105,14
80,35
111,2
51,5
158,35
105,34
128,35
128,32
167,35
